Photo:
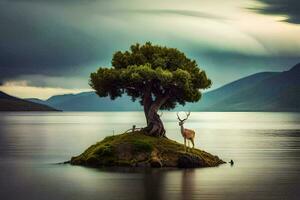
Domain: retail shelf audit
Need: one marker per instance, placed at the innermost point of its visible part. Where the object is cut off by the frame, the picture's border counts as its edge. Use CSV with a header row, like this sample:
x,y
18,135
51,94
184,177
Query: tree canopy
x,y
160,71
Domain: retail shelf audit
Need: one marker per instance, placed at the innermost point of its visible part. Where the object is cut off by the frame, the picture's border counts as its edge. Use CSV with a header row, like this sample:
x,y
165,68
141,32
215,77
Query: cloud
x,y
68,82
289,8
22,90
186,13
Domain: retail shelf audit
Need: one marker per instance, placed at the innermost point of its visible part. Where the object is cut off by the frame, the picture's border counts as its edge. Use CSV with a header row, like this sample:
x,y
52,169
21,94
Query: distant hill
x,y
10,103
89,101
265,91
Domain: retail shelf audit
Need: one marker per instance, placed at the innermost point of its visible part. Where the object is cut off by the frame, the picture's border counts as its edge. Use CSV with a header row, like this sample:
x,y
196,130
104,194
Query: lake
x,y
264,146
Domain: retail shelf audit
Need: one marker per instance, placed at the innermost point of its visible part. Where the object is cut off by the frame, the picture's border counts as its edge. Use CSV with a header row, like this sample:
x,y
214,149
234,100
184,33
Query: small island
x,y
159,78
136,149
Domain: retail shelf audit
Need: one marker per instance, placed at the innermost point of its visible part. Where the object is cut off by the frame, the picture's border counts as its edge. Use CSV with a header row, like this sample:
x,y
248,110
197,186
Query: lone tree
x,y
157,76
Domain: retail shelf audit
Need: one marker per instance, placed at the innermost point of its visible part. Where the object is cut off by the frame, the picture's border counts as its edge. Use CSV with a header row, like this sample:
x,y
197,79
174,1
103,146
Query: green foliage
x,y
105,150
109,138
142,146
165,71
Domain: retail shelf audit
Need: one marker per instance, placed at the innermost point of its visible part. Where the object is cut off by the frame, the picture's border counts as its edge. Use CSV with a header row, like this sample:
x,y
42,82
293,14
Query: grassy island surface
x,y
136,149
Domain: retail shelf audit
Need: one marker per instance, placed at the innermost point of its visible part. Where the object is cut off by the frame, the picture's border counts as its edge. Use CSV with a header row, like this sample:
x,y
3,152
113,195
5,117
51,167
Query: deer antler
x,y
187,116
178,117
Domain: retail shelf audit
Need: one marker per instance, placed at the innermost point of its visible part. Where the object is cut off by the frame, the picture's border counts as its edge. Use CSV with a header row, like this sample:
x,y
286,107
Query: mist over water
x,y
264,146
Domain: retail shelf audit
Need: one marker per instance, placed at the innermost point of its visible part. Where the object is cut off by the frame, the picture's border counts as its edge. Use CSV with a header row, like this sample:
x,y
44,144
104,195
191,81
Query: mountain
x,y
36,100
10,103
265,91
89,101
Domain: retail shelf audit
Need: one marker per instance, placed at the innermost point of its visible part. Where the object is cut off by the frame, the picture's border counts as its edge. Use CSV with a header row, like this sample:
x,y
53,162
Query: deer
x,y
187,134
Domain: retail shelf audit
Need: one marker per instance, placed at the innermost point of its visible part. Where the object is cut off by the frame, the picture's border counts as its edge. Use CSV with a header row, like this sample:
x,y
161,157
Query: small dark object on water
x,y
231,162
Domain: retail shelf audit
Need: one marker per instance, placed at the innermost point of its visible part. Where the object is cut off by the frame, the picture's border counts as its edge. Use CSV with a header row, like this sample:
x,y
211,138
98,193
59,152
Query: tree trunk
x,y
155,126
147,101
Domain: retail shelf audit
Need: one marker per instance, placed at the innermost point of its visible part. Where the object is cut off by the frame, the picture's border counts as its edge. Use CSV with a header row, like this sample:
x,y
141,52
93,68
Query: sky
x,y
50,47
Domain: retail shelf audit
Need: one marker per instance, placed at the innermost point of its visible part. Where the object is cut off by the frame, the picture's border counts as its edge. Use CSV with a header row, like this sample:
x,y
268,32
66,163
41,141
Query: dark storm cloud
x,y
54,1
35,40
291,8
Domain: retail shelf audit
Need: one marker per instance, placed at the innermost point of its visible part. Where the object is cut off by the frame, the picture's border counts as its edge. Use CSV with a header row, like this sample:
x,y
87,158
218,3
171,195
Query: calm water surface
x,y
264,146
